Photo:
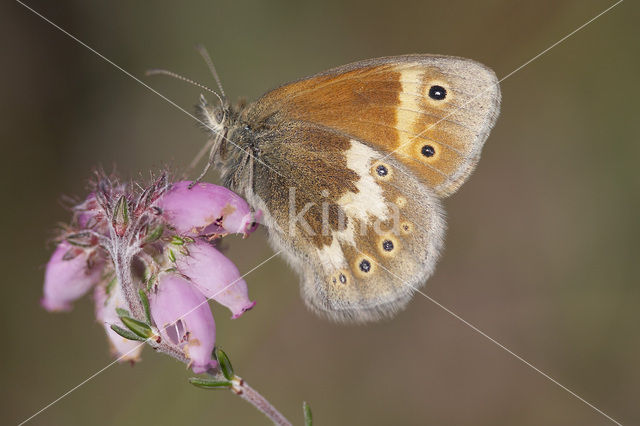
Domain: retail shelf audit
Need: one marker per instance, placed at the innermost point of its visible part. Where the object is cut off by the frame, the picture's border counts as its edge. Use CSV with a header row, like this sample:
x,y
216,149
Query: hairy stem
x,y
249,394
122,266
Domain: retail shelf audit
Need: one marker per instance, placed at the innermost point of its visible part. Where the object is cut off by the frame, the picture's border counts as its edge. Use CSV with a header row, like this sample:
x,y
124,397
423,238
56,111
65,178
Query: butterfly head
x,y
215,118
228,141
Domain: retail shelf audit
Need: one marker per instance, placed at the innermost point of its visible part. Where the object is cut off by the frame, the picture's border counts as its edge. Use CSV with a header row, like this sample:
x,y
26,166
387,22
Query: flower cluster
x,y
150,257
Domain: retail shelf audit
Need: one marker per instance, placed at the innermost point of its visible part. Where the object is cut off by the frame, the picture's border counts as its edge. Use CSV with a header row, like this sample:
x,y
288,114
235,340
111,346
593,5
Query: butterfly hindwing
x,y
359,228
433,113
398,228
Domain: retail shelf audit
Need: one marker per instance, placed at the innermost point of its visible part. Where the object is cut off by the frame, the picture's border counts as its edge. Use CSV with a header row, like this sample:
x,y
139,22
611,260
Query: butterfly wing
x,y
362,231
432,113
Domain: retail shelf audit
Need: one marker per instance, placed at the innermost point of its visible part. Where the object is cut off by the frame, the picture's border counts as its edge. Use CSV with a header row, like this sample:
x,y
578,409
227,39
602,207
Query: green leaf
x,y
80,239
110,285
150,281
172,255
145,305
209,383
225,364
308,418
138,327
126,333
155,234
121,212
176,240
122,312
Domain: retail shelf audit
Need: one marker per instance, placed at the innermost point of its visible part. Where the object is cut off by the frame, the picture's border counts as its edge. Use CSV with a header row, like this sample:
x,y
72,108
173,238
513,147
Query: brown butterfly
x,y
349,167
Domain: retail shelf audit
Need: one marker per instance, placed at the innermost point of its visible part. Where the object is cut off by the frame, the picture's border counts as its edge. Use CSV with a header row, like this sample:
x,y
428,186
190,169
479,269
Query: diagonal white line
x,y
504,78
515,355
136,347
79,385
494,341
143,83
560,41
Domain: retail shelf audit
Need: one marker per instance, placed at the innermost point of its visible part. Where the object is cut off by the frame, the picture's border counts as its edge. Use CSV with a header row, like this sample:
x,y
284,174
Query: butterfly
x,y
349,168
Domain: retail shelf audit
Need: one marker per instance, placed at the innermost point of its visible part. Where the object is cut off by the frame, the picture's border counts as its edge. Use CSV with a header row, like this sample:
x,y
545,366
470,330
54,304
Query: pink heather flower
x,y
123,349
206,209
215,276
184,318
120,232
69,275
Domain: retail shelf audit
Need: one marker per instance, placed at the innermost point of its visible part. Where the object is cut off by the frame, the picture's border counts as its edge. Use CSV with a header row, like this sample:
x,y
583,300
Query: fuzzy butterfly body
x,y
349,166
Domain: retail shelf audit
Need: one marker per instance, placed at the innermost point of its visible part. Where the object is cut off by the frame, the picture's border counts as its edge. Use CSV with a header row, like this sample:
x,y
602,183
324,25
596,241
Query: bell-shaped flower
x,y
206,209
69,275
215,276
184,318
106,304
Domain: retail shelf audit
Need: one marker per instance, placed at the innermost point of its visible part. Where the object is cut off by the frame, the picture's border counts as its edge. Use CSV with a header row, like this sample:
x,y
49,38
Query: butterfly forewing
x,y
433,113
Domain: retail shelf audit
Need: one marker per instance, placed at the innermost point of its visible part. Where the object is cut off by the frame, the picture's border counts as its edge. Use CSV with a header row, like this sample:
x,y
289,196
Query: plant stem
x,y
122,266
249,394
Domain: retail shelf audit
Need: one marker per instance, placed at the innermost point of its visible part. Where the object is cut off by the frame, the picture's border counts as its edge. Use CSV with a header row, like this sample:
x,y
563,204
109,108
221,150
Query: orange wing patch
x,y
432,113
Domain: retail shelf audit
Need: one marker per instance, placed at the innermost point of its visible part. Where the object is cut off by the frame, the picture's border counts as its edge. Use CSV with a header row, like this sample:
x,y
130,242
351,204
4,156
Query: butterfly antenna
x,y
180,77
207,59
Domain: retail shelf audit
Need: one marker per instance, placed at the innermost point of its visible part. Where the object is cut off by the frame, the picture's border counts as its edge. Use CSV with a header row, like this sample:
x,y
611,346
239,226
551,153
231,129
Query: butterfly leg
x,y
215,144
198,157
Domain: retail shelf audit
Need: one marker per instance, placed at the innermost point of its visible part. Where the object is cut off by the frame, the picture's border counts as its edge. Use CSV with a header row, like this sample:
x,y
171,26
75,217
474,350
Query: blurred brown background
x,y
542,251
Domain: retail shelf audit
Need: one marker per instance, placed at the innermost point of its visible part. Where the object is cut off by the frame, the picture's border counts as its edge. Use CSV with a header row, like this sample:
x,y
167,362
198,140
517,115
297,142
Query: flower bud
x,y
124,349
206,209
86,214
69,275
184,319
215,276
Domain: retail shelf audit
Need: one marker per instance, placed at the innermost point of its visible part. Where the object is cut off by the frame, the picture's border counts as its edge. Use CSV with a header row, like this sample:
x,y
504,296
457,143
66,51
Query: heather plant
x,y
148,253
